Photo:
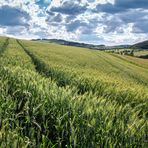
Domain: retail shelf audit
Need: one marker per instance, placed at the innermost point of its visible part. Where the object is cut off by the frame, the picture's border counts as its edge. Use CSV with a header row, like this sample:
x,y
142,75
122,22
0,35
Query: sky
x,y
109,22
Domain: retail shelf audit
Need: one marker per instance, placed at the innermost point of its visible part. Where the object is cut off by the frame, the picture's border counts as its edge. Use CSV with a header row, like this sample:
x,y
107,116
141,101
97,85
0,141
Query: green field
x,y
141,54
60,96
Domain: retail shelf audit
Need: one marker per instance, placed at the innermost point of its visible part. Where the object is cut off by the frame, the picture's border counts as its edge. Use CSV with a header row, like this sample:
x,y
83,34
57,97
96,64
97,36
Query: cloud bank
x,y
92,21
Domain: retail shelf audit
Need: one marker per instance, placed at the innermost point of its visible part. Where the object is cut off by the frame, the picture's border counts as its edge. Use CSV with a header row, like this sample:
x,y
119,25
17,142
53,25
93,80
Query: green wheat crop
x,y
58,96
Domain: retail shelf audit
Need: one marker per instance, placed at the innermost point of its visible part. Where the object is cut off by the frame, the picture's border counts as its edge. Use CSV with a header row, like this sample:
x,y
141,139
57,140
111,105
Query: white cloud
x,y
56,2
97,27
2,31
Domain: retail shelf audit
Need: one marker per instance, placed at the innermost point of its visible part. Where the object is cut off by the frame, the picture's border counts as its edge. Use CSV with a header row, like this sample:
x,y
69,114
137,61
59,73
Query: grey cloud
x,y
11,16
50,13
112,24
108,8
55,20
85,27
131,4
124,12
122,6
138,18
58,18
69,8
141,27
75,25
70,18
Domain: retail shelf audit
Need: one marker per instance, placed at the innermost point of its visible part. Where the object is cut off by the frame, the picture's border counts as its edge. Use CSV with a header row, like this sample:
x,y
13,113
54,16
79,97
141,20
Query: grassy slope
x,y
95,71
134,60
53,115
141,52
141,45
89,62
14,56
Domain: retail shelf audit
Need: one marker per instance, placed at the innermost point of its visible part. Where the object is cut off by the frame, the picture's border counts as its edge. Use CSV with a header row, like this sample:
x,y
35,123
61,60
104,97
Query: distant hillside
x,y
84,45
141,45
70,43
118,47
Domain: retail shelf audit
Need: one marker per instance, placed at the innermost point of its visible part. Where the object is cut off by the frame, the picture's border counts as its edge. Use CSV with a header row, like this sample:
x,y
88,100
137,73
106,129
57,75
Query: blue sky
x,y
109,22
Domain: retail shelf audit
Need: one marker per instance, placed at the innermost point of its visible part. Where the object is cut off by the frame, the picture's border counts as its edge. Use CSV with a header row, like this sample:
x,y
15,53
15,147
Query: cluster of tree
x,y
123,52
127,52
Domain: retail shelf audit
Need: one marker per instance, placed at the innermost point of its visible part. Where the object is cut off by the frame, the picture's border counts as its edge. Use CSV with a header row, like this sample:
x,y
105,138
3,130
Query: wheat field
x,y
61,96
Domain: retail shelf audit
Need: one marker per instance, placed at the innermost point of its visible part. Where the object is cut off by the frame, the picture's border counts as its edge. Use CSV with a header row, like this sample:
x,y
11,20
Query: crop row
x,y
14,56
4,46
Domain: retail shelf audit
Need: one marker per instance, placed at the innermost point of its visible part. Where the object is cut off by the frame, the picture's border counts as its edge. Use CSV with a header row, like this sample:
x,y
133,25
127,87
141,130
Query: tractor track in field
x,y
4,46
59,77
39,66
42,69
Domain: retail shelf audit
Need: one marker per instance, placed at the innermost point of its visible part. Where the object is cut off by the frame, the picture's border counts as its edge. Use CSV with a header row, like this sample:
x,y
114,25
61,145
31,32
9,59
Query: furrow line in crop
x,y
2,49
60,77
39,65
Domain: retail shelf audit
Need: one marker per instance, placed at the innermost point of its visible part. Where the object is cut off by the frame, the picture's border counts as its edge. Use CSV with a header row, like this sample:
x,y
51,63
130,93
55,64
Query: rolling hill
x,y
83,45
70,43
141,45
